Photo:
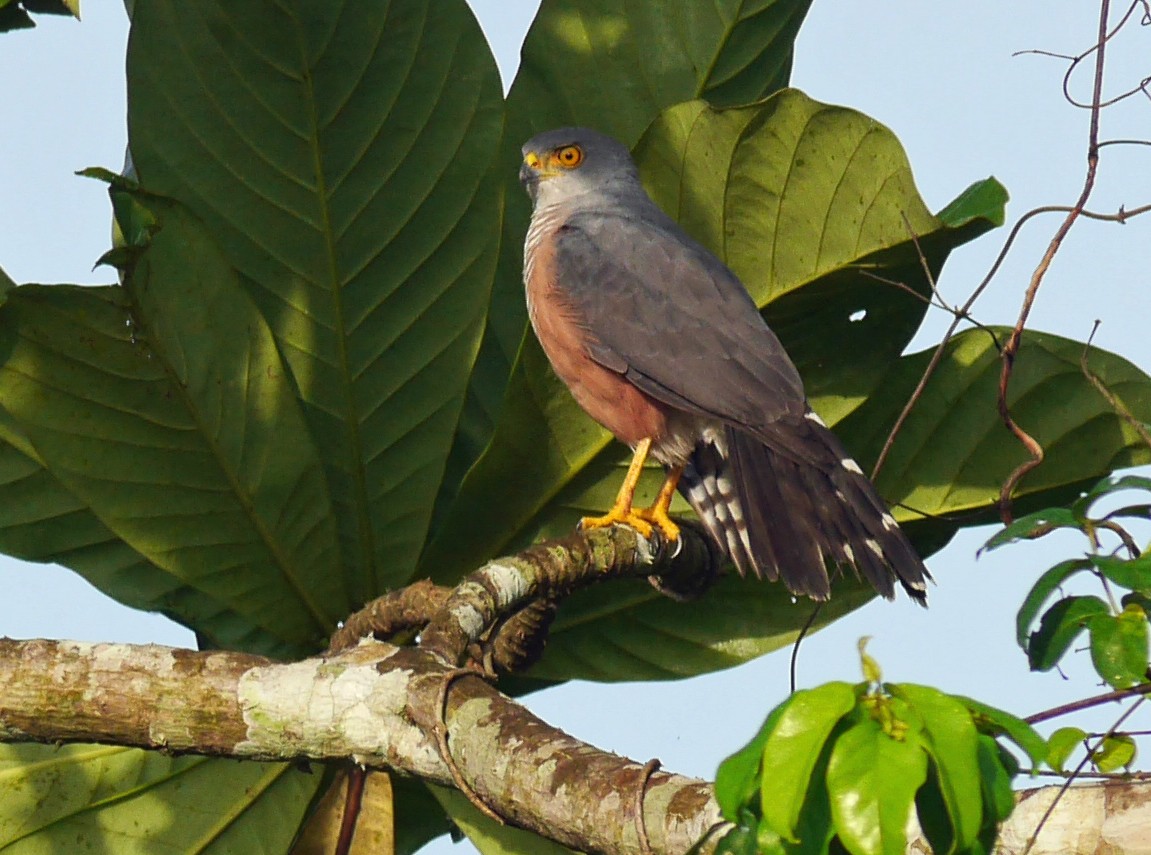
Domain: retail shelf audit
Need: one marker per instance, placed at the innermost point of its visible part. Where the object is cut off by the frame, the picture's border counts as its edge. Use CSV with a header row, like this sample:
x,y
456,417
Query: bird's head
x,y
567,162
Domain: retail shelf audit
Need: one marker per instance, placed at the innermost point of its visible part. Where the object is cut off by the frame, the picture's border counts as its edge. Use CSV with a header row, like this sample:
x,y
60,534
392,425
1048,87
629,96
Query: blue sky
x,y
943,77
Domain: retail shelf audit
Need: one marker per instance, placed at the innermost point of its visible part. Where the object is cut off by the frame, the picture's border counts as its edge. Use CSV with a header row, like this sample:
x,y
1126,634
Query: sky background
x,y
944,78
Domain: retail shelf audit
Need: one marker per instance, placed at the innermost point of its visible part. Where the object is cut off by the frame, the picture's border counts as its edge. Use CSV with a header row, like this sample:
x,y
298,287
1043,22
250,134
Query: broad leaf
x,y
1060,745
737,780
793,749
1116,752
1060,626
341,156
872,779
996,722
1040,592
172,419
628,631
1031,526
41,520
997,767
1119,647
104,799
950,739
952,454
1133,573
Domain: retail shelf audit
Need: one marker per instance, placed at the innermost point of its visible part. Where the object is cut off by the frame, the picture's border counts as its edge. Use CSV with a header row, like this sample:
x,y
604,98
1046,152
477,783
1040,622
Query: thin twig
x,y
1078,769
1086,703
1102,776
1011,349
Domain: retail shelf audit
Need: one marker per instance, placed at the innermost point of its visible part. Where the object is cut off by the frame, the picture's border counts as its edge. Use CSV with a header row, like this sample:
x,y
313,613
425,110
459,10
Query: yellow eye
x,y
570,156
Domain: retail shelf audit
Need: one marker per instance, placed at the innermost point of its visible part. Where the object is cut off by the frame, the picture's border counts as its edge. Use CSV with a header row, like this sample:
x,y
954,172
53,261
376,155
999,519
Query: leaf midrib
x,y
352,416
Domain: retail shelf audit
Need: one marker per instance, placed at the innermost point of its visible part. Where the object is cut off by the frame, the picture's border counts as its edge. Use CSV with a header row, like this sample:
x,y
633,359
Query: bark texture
x,y
374,702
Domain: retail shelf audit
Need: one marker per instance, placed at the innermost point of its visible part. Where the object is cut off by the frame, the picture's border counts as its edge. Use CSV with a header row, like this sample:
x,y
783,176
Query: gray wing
x,y
668,315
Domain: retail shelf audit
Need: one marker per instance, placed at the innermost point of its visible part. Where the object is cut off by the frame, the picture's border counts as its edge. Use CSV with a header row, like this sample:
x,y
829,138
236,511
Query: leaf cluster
x,y
847,768
1115,620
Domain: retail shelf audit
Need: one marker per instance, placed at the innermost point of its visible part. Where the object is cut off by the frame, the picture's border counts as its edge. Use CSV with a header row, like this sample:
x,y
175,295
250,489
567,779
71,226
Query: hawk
x,y
660,343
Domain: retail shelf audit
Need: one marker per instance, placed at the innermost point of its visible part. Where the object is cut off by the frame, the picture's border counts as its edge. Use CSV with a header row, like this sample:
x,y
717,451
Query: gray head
x,y
567,162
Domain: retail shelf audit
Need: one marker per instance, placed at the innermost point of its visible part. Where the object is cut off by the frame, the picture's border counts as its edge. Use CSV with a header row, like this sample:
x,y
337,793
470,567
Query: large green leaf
x,y
75,798
41,520
340,154
628,631
953,453
164,408
614,66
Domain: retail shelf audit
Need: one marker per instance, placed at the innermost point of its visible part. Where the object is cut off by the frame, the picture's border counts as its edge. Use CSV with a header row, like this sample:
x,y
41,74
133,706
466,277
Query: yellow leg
x,y
622,511
657,512
641,519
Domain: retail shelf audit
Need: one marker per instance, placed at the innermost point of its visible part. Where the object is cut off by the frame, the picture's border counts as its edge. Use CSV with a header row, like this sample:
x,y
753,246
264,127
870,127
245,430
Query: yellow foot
x,y
619,517
657,516
643,520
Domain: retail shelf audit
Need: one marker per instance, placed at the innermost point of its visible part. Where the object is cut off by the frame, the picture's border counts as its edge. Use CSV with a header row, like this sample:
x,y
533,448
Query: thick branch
x,y
385,706
374,702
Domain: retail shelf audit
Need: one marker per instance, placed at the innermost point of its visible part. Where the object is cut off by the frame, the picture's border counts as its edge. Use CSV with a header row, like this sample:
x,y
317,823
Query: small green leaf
x,y
1110,484
985,200
872,780
793,749
1039,593
1119,646
1059,628
1116,752
1133,573
1141,512
737,780
1060,745
996,722
1033,526
950,738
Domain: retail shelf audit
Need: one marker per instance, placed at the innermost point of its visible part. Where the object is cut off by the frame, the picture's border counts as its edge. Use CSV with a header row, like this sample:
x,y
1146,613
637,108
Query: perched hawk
x,y
661,344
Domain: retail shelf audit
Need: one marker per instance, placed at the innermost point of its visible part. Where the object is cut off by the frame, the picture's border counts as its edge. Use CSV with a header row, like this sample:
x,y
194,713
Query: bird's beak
x,y
530,175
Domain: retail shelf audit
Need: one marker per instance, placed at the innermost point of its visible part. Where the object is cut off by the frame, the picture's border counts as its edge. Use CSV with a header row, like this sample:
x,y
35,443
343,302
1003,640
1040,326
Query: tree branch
x,y
382,705
374,702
